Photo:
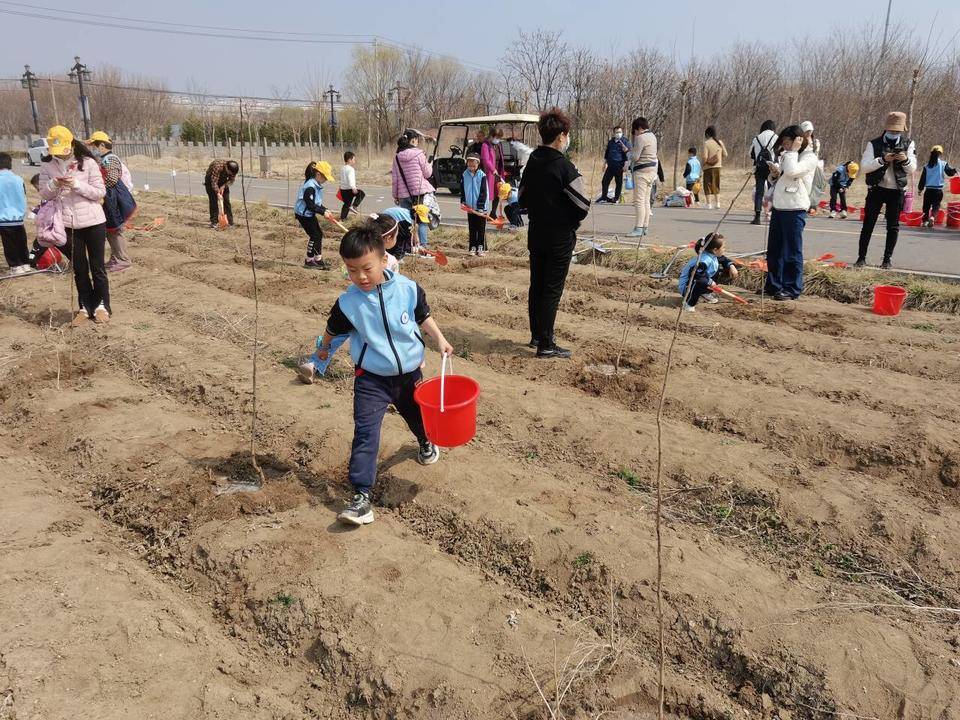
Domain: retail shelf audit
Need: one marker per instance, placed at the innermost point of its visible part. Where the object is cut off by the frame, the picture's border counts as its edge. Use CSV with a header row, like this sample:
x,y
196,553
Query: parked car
x,y
448,165
36,151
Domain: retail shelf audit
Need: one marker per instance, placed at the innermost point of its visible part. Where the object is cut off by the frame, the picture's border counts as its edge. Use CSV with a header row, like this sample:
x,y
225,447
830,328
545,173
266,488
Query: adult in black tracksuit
x,y
553,194
887,161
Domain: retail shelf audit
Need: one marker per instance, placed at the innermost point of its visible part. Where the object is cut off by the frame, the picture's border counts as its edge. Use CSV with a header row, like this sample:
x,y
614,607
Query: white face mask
x,y
496,141
618,134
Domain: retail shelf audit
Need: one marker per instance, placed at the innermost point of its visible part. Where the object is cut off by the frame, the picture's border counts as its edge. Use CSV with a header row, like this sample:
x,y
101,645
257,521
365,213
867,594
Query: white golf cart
x,y
457,136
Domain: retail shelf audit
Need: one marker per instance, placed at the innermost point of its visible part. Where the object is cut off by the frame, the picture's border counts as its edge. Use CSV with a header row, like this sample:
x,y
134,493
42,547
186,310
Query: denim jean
x,y
422,228
785,252
371,396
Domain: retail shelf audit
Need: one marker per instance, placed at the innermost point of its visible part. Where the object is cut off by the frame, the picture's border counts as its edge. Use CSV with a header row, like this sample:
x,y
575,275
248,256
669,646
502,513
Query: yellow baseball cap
x,y
423,213
59,141
99,136
323,167
852,169
937,148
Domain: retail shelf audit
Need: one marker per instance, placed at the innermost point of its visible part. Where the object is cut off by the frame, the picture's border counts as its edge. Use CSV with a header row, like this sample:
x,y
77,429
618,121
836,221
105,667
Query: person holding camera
x,y
888,162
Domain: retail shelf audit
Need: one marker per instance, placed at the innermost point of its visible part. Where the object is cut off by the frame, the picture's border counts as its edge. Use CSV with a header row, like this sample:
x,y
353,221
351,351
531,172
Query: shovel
x,y
497,222
825,257
330,216
437,255
727,293
222,221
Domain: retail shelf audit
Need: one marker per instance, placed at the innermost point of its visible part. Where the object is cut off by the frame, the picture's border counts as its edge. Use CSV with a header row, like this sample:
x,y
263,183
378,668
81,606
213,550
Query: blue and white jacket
x,y
934,176
383,325
309,199
13,199
474,191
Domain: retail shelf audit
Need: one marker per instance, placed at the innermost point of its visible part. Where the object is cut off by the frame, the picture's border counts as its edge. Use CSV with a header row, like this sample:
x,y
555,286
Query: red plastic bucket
x,y
955,184
822,204
851,209
888,299
953,220
448,405
940,218
911,219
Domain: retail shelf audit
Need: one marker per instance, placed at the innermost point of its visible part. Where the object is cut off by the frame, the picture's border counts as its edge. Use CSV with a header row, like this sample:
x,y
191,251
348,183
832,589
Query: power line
x,y
212,31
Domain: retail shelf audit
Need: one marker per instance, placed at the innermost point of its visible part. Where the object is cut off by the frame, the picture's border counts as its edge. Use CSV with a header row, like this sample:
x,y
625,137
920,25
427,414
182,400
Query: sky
x,y
478,37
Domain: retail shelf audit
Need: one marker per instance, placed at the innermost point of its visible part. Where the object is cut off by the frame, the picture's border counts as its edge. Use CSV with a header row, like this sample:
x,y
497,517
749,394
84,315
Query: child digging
x,y
474,195
381,312
350,194
840,181
712,263
307,208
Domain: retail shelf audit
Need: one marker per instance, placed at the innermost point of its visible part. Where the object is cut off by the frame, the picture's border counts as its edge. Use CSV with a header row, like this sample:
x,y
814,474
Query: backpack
x,y
762,158
50,230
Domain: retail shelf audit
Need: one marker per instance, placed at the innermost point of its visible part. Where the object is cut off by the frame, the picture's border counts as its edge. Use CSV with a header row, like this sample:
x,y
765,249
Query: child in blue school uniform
x,y
932,177
713,264
473,194
383,313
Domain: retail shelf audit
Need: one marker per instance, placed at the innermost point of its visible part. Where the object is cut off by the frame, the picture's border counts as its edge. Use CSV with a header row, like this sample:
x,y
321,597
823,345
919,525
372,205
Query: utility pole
x,y
397,92
684,85
333,94
53,99
78,73
29,81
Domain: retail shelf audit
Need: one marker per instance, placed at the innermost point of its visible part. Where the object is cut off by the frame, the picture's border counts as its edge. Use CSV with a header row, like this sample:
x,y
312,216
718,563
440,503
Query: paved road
x,y
927,251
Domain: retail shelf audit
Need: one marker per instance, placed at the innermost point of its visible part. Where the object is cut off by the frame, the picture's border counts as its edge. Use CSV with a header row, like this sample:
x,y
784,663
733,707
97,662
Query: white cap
x,y
806,126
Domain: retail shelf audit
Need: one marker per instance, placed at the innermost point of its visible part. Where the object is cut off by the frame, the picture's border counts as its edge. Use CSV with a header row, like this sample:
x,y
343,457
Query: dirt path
x,y
811,504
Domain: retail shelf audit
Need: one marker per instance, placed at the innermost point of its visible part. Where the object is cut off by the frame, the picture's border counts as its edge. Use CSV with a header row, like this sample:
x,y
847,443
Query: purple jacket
x,y
491,161
416,170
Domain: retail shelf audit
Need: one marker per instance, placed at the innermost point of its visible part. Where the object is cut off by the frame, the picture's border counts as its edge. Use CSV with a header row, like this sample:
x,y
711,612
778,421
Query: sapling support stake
x,y
256,310
661,649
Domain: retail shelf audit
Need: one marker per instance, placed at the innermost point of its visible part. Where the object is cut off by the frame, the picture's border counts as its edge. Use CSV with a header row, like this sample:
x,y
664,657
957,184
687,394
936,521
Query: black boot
x,y
756,219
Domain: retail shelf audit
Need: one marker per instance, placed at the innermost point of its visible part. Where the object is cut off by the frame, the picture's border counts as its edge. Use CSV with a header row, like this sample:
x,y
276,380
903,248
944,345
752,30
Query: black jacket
x,y
552,192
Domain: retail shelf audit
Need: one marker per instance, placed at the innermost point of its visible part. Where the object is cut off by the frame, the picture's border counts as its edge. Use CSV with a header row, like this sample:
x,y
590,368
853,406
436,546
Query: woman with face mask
x,y
554,196
491,162
794,168
72,178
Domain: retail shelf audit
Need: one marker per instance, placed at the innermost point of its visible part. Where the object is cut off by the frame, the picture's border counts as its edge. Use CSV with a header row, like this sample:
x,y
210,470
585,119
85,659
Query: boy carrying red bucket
x,y
382,312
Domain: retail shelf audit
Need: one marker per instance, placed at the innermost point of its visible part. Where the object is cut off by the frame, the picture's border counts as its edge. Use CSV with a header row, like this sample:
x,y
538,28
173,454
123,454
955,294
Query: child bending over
x,y
383,313
840,181
701,274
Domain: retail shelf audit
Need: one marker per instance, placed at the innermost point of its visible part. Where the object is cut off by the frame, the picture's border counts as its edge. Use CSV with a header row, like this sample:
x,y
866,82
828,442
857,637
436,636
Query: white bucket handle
x,y
443,370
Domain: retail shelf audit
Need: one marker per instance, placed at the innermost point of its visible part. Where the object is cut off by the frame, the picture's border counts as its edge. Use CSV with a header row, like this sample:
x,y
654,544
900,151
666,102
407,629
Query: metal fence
x,y
127,149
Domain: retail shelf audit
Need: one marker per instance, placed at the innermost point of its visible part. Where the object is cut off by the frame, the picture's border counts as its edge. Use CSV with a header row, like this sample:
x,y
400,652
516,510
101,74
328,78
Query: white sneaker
x,y
306,372
843,215
711,298
100,315
689,308
18,269
832,215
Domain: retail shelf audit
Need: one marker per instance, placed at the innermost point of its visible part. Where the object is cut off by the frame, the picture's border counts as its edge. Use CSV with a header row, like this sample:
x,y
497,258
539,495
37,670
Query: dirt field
x,y
810,519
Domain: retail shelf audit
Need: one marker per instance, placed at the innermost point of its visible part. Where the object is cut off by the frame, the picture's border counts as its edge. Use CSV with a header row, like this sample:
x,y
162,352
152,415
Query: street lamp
x,y
397,92
29,81
78,74
333,94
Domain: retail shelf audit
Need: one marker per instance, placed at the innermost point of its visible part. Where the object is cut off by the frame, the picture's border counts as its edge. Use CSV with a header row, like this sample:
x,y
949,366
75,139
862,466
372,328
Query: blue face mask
x,y
891,137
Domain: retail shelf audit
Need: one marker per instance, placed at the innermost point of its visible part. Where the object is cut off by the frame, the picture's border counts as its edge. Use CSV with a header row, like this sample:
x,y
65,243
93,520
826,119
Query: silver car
x,y
37,150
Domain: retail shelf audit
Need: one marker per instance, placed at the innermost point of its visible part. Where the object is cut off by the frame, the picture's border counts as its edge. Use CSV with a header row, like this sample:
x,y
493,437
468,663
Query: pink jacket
x,y
82,204
491,162
416,170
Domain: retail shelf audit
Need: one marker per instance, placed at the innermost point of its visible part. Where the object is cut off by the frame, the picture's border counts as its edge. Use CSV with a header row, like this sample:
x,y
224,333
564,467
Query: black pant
x,y
371,396
701,287
615,173
477,230
759,188
214,207
837,192
93,288
314,234
514,214
351,199
15,245
932,197
548,274
696,195
494,204
878,197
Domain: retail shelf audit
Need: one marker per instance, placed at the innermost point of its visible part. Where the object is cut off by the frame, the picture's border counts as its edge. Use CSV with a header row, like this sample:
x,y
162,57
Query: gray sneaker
x,y
306,372
428,453
358,510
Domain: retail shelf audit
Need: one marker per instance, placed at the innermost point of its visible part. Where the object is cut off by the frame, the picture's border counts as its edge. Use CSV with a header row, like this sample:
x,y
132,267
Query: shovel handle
x,y
735,298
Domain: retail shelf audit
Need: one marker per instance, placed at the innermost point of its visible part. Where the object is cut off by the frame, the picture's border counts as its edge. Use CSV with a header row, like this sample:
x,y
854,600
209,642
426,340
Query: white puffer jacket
x,y
792,190
82,204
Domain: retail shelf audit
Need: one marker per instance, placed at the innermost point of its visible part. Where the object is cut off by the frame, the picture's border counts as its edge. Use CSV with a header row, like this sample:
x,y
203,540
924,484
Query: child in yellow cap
x,y
932,177
309,206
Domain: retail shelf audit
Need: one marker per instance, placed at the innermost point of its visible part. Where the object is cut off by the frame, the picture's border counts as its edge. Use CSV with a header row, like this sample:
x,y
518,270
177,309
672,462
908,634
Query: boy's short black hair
x,y
553,123
348,156
35,180
692,150
360,240
6,162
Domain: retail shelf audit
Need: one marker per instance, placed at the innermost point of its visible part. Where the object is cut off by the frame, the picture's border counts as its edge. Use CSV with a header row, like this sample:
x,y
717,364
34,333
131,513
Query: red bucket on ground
x,y
941,217
888,299
851,209
822,204
955,184
448,405
911,219
953,214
